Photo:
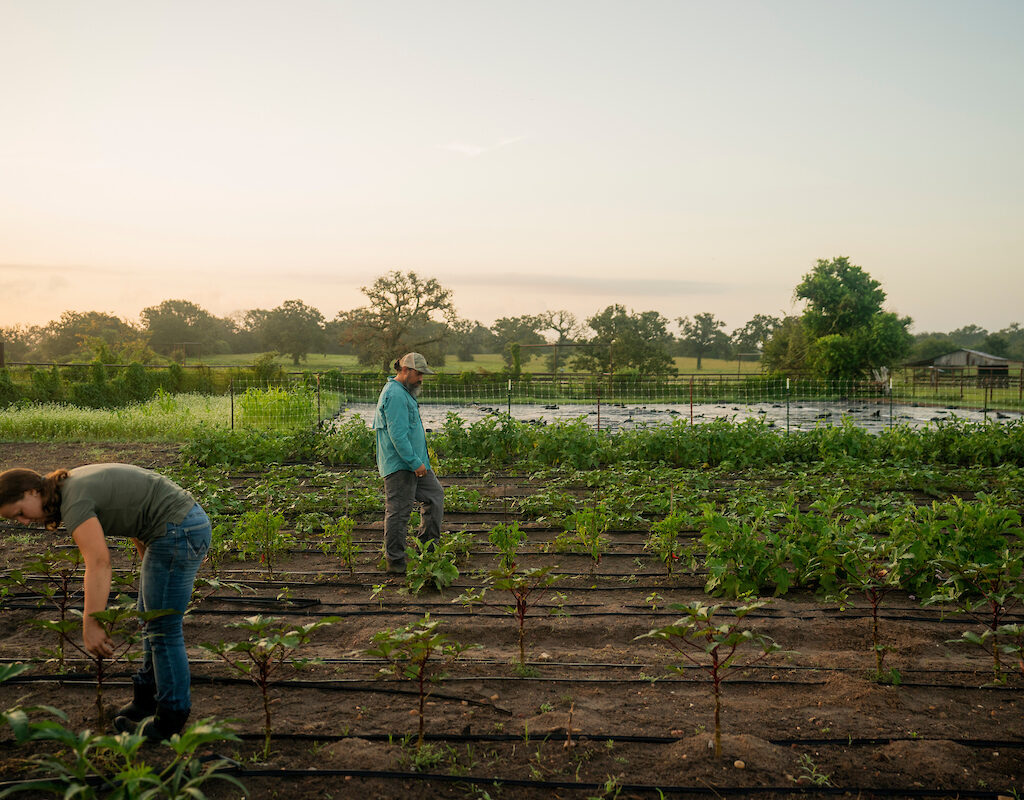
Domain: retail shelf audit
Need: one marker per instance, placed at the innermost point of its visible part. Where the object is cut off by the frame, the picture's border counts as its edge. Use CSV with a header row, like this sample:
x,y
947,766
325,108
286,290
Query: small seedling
x,y
271,645
810,773
508,538
712,647
417,652
527,587
338,541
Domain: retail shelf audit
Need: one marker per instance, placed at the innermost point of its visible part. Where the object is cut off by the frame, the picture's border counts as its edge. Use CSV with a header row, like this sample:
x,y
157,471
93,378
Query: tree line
x,y
843,332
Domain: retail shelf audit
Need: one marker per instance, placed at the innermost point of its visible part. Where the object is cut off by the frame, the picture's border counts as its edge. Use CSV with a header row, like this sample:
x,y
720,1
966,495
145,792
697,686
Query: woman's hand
x,y
96,640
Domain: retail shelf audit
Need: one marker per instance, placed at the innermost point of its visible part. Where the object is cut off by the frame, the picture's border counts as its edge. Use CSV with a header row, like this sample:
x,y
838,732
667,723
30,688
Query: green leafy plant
x,y
712,647
584,532
88,765
874,568
260,533
527,587
338,541
507,538
417,652
664,540
53,580
430,562
270,646
988,592
809,772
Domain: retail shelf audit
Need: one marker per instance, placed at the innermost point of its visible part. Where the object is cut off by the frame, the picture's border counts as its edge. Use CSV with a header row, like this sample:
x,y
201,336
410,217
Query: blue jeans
x,y
169,570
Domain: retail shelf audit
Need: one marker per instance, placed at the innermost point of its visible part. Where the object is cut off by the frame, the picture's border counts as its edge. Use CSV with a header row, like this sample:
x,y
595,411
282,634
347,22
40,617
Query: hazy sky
x,y
674,155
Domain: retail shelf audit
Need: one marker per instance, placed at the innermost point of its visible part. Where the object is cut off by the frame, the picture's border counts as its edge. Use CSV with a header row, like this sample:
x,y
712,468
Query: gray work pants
x,y
401,489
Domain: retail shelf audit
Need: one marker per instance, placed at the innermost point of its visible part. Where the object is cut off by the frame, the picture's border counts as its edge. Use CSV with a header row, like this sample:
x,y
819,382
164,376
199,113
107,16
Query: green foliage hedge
x,y
498,441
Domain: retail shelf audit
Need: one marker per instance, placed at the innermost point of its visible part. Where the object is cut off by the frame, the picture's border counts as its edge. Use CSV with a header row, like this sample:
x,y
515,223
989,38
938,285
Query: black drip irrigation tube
x,y
376,687
560,734
633,788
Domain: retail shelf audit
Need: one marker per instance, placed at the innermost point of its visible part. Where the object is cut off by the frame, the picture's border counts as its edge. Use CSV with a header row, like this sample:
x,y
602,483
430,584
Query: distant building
x,y
966,363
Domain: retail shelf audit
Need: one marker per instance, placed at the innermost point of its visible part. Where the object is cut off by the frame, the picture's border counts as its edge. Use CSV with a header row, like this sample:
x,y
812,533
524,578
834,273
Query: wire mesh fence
x,y
311,400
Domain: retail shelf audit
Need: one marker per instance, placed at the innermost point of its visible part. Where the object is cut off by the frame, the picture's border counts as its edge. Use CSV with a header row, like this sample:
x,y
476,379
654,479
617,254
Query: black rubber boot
x,y
143,704
166,723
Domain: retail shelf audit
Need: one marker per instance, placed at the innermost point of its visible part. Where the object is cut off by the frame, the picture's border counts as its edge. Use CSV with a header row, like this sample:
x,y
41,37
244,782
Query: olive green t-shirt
x,y
127,500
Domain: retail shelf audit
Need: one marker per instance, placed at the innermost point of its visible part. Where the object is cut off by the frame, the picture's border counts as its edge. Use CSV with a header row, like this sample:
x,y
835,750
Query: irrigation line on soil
x,y
650,789
559,733
380,687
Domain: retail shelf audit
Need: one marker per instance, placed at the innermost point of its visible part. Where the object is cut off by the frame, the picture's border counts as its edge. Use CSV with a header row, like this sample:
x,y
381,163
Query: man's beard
x,y
415,390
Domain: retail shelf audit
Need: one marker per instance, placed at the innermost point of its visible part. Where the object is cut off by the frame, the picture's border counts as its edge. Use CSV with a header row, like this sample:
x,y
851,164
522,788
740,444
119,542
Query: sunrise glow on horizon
x,y
679,156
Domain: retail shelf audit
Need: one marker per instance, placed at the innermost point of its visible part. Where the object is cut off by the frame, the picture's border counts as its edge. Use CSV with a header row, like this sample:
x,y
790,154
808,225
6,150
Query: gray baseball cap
x,y
414,361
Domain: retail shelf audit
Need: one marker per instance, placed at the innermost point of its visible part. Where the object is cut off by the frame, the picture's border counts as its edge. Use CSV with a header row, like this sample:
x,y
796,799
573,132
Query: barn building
x,y
967,363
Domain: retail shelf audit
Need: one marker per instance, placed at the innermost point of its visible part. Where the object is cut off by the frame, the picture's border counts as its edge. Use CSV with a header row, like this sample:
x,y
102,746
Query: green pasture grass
x,y
170,418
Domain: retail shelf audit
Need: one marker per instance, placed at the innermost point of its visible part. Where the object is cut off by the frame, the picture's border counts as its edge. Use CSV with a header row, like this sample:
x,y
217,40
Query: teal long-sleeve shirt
x,y
401,440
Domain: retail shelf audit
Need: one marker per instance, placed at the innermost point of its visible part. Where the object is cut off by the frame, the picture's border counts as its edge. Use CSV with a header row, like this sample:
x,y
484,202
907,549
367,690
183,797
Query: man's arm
x,y
397,418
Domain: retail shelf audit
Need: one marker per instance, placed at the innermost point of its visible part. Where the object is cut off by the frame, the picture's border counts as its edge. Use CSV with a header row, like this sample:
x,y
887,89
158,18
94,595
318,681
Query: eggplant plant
x,y
52,579
527,587
270,647
664,539
338,541
712,647
988,592
874,568
124,624
584,532
417,652
507,538
89,765
260,533
430,562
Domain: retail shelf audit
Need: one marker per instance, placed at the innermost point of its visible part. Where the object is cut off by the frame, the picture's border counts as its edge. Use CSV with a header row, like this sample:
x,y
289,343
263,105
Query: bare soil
x,y
599,706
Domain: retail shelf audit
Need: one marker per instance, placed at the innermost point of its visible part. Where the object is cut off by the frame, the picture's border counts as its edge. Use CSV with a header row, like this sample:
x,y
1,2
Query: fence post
x,y
691,400
787,405
890,403
231,390
510,397
318,420
598,409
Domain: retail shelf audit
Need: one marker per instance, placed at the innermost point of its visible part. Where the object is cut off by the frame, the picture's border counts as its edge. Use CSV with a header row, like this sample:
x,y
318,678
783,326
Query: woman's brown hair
x,y
14,483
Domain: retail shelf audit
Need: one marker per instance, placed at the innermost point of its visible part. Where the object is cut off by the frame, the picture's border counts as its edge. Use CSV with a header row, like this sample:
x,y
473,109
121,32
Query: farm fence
x,y
309,399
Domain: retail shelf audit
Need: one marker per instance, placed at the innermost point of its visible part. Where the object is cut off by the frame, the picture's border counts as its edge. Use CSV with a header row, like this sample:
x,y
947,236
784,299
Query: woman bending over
x,y
172,534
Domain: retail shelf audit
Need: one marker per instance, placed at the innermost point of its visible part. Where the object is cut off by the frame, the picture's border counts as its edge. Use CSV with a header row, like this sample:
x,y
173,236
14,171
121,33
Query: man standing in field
x,y
403,461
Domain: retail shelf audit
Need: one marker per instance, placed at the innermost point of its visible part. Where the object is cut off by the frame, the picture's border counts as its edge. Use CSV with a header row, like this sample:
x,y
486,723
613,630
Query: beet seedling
x,y
417,652
527,587
712,648
270,647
